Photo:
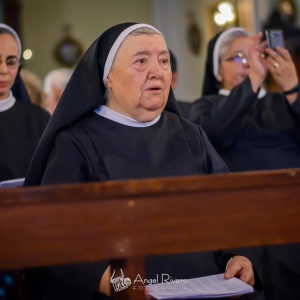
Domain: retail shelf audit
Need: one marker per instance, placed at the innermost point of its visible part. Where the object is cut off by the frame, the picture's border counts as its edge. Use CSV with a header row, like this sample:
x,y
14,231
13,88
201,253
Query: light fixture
x,y
27,54
225,7
287,7
219,19
230,17
225,14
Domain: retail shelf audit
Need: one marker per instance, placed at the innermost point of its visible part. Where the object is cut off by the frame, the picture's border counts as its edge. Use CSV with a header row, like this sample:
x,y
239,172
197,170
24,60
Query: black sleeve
x,y
295,107
222,118
79,280
69,163
215,164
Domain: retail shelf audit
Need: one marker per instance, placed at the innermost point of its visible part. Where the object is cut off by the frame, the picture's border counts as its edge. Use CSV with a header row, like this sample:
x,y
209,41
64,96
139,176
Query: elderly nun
x,y
118,119
250,128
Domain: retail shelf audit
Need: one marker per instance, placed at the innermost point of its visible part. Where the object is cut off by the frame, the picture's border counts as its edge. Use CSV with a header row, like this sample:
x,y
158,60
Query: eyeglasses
x,y
238,58
12,62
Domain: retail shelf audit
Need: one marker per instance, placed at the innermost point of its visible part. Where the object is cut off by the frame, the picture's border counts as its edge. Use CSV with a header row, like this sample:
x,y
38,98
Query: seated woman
x,y
252,129
21,122
118,119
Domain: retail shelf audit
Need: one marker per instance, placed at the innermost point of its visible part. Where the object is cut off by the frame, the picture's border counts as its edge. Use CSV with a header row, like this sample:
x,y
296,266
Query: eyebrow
x,y
239,51
148,53
10,56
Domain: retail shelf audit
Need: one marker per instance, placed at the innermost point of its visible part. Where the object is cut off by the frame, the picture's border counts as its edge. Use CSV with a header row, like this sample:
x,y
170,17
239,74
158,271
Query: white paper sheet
x,y
214,286
12,183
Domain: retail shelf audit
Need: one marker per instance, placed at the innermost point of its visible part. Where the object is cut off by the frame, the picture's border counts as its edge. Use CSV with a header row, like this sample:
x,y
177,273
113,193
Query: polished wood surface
x,y
54,225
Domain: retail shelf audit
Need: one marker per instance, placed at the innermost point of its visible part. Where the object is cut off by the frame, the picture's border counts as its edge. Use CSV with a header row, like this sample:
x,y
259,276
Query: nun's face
x,y
140,79
8,64
234,67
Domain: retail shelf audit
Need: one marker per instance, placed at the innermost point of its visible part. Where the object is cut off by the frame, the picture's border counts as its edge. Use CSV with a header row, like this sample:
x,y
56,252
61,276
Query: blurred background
x,y
55,33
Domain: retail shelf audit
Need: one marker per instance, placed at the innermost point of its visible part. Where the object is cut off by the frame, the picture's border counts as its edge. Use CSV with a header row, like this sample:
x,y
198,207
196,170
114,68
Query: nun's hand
x,y
282,69
240,267
104,286
258,68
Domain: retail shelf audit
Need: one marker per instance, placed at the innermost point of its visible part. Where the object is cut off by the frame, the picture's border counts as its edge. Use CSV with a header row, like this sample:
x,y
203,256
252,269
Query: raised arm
x,y
222,117
285,75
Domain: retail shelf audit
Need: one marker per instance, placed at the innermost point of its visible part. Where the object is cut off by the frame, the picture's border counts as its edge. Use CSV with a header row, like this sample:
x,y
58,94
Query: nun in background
x,y
254,130
21,126
22,123
250,128
118,119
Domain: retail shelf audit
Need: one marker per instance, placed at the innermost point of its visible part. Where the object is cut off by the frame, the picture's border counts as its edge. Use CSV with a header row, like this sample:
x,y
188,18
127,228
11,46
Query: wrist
x,y
294,89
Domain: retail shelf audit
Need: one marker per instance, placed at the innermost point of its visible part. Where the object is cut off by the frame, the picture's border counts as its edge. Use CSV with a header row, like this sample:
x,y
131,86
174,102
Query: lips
x,y
154,88
3,83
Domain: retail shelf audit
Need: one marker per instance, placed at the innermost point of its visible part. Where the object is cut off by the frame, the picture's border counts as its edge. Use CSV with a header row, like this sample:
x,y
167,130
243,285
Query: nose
x,y
3,67
245,63
155,70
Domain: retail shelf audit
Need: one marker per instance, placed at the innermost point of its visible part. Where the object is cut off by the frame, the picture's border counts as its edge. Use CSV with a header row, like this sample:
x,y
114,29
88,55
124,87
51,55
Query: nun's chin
x,y
145,115
4,94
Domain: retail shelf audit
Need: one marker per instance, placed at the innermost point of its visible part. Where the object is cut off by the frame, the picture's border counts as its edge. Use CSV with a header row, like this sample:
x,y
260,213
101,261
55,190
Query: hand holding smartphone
x,y
275,38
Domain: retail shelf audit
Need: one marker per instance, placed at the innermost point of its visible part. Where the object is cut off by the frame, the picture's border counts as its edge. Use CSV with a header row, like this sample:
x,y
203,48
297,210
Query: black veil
x,y
84,92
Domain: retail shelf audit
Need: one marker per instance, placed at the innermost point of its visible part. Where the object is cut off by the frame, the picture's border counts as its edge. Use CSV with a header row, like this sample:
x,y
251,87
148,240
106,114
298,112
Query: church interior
x,y
193,172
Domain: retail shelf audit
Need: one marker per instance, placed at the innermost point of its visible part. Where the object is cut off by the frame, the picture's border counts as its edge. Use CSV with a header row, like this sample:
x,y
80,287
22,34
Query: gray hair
x,y
58,78
138,31
228,40
5,29
224,41
145,30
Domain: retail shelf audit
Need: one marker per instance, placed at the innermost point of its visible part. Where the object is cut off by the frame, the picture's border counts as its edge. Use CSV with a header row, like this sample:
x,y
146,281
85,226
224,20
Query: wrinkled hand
x,y
240,267
258,68
282,68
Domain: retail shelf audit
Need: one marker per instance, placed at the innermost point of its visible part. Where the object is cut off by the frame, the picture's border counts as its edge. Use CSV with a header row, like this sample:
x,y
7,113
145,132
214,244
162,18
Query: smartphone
x,y
274,38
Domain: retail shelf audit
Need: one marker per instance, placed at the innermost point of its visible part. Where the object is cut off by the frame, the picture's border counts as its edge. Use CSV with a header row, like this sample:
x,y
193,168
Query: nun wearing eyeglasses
x,y
118,119
21,126
22,123
254,130
250,128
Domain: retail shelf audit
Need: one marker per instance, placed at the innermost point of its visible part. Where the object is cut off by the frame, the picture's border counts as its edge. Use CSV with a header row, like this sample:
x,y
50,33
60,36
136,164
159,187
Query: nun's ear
x,y
108,82
220,76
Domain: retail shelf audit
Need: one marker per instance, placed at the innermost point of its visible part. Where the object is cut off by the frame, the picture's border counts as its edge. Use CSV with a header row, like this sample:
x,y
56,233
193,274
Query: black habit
x,y
21,128
81,146
252,133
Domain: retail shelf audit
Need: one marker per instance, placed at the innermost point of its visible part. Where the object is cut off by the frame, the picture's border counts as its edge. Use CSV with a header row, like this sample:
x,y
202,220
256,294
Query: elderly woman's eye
x,y
237,58
11,61
141,60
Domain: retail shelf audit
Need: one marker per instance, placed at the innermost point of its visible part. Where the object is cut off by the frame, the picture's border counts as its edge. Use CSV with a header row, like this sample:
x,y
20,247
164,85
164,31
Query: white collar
x,y
261,94
7,103
110,114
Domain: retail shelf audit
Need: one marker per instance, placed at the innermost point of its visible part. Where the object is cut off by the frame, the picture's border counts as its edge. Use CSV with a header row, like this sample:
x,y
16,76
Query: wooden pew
x,y
53,225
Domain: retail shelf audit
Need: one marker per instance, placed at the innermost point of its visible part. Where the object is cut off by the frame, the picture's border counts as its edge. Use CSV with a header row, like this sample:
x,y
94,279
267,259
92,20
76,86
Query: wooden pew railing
x,y
126,221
